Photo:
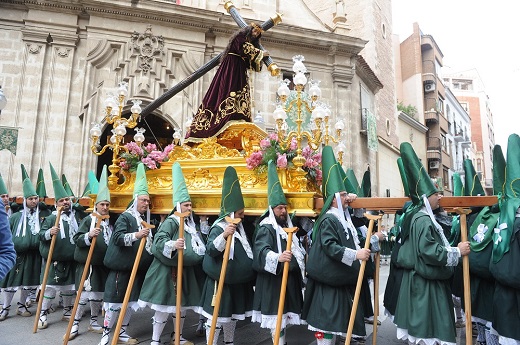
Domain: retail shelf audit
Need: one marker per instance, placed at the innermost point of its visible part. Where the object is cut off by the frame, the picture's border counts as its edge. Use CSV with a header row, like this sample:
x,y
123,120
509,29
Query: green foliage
x,y
409,109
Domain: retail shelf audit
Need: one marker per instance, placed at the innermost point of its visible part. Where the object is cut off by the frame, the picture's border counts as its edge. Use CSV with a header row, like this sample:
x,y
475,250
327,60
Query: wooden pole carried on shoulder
x,y
283,289
465,272
46,272
221,280
130,284
377,260
372,219
83,278
180,263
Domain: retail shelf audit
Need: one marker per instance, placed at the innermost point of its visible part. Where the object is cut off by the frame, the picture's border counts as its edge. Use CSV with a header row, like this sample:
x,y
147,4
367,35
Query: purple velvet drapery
x,y
228,97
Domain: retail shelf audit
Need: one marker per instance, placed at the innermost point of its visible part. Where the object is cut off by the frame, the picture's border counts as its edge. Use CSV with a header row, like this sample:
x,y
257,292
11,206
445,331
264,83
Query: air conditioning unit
x,y
434,164
429,87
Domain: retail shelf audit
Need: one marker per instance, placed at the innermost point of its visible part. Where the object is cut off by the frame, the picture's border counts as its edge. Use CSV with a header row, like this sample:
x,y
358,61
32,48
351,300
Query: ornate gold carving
x,y
202,179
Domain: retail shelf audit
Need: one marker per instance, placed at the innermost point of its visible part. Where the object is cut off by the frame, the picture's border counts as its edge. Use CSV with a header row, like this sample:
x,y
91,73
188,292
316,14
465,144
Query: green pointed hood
x,y
28,189
366,185
59,190
499,170
141,184
103,193
419,182
512,184
232,199
66,185
332,182
180,191
511,203
275,194
404,180
3,187
40,185
346,182
92,186
458,187
472,185
24,172
351,176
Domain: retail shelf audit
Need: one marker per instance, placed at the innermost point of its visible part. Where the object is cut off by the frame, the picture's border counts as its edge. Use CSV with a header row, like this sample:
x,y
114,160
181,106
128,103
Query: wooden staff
x,y
180,262
130,284
285,276
376,288
83,278
465,271
220,287
46,272
360,278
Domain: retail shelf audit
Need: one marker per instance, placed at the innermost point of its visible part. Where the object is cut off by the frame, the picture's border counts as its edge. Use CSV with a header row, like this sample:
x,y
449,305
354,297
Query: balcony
x,y
458,136
433,149
431,116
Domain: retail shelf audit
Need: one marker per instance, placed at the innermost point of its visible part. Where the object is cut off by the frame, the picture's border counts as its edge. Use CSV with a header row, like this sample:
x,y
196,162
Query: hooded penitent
x,y
102,191
509,206
59,190
419,182
40,185
458,187
472,186
3,187
66,185
232,199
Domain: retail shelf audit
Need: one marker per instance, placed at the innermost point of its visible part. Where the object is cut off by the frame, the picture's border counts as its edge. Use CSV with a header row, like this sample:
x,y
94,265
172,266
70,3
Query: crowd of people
x,y
236,266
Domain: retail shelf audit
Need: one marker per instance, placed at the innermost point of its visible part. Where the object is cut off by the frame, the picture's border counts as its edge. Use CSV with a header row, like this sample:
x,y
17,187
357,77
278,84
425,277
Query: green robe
x,y
159,287
237,294
26,270
425,300
63,267
268,282
506,315
97,275
120,257
328,302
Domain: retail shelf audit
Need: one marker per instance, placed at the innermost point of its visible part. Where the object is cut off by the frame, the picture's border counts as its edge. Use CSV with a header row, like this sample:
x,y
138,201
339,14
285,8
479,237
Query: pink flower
x,y
168,149
157,156
319,175
273,136
264,143
254,160
123,164
134,149
281,161
307,151
150,163
150,147
294,144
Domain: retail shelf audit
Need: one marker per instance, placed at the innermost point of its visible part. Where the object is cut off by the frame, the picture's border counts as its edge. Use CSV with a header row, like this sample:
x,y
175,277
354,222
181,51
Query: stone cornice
x,y
367,75
196,19
412,123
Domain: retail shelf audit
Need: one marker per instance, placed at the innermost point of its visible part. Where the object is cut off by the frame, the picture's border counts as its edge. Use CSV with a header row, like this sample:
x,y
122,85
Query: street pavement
x,y
19,330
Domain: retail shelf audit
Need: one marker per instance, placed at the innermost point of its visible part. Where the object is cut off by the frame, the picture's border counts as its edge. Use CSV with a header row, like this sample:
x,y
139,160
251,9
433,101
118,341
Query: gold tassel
x,y
214,295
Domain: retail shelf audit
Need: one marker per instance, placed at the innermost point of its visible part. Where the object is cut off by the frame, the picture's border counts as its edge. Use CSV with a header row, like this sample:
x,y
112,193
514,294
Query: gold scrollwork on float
x,y
202,179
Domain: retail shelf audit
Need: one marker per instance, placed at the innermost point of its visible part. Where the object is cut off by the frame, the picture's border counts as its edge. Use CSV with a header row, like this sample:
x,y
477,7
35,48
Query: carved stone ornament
x,y
147,47
34,48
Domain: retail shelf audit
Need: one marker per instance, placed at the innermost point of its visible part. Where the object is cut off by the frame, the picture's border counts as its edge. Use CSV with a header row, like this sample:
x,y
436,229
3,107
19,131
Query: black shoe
x,y
200,329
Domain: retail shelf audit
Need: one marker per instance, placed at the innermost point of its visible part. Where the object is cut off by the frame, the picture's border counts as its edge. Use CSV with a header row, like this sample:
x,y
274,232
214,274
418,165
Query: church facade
x,y
62,58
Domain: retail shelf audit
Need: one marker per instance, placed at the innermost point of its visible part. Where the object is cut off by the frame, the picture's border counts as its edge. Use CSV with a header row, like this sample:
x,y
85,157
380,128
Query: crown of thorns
x,y
258,27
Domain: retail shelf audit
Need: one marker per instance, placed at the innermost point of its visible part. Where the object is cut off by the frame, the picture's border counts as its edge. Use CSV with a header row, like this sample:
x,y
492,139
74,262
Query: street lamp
x,y
114,116
303,102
